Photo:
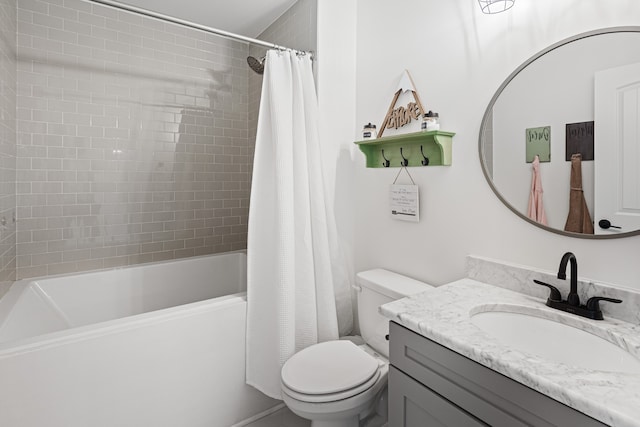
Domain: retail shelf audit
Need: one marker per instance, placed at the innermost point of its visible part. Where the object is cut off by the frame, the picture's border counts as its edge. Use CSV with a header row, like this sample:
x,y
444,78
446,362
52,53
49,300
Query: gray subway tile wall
x,y
7,144
132,139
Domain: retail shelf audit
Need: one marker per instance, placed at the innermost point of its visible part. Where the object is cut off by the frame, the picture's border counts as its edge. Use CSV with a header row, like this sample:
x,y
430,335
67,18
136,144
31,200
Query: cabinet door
x,y
490,396
413,405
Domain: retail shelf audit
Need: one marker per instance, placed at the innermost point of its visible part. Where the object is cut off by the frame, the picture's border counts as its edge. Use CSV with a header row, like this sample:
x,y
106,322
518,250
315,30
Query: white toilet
x,y
339,383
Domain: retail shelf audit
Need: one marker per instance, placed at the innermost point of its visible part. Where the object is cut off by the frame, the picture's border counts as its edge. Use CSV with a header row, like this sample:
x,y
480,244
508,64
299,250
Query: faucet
x,y
590,310
573,298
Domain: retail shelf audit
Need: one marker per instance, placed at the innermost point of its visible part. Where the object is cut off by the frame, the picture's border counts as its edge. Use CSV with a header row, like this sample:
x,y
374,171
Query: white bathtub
x,y
153,345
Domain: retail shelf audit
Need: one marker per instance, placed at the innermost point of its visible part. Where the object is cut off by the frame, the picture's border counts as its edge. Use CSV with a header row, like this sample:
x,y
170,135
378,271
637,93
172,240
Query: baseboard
x,y
260,415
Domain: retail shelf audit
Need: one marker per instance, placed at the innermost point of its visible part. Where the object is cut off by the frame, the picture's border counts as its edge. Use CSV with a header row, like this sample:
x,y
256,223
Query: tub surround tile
x,y
131,139
123,118
444,316
8,154
519,279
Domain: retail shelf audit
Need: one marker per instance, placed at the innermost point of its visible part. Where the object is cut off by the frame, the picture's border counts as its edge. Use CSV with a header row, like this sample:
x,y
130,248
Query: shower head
x,y
256,65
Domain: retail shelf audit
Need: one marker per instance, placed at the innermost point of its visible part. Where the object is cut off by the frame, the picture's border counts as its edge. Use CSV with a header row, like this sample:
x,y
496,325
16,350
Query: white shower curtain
x,y
294,270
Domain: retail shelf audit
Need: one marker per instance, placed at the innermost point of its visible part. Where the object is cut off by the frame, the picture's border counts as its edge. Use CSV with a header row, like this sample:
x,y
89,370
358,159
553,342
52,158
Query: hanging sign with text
x,y
404,202
538,143
579,140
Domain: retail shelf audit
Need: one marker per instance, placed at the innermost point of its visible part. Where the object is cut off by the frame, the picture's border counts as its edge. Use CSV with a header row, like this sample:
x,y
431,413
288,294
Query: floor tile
x,y
281,418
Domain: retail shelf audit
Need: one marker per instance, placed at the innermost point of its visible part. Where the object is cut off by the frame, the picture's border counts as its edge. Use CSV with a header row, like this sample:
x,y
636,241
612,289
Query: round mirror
x,y
560,140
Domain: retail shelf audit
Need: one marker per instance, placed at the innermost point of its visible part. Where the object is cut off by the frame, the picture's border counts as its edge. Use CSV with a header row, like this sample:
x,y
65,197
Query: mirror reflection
x,y
560,142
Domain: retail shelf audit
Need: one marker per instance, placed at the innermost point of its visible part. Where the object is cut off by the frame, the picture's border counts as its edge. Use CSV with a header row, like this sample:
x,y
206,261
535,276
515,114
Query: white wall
x,y
335,69
336,73
458,57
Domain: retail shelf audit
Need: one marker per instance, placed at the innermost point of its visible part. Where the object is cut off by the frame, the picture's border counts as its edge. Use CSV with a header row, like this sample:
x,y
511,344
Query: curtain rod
x,y
173,20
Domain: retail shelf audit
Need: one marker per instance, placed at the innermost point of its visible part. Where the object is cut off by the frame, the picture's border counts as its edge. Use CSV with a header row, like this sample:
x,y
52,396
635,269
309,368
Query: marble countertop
x,y
444,316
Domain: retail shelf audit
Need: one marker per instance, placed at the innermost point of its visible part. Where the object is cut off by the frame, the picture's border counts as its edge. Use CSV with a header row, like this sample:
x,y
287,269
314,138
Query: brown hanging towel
x,y
579,219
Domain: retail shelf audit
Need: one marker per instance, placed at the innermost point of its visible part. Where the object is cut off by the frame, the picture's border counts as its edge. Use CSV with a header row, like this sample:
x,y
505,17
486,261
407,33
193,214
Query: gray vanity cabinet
x,y
430,385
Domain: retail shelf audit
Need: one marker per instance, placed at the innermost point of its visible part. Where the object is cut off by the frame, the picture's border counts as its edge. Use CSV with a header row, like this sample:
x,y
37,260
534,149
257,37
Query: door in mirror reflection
x,y
617,148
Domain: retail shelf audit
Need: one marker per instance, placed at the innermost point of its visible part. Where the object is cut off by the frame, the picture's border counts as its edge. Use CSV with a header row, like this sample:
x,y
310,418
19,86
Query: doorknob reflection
x,y
606,224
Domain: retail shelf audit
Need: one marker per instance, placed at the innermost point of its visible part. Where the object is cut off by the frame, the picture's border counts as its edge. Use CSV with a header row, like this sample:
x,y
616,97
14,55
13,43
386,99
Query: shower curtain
x,y
296,285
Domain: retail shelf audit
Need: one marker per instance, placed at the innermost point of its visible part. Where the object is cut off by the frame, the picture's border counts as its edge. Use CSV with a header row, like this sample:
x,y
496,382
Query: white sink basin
x,y
555,341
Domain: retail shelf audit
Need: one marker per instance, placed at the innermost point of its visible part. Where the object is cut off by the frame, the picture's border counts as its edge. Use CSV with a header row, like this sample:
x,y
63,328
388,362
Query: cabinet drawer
x,y
488,395
413,405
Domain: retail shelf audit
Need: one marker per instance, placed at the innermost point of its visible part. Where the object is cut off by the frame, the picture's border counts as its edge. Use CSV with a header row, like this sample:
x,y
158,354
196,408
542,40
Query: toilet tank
x,y
375,288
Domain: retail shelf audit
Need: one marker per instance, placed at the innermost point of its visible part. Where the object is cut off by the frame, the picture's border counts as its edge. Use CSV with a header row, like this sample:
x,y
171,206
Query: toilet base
x,y
358,411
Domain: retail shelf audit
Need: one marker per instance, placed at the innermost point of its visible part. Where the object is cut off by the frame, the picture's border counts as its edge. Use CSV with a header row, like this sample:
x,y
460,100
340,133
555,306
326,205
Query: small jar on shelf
x,y
369,131
430,121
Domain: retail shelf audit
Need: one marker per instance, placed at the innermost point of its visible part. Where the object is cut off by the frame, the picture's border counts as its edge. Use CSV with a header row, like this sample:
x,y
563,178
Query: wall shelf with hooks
x,y
416,148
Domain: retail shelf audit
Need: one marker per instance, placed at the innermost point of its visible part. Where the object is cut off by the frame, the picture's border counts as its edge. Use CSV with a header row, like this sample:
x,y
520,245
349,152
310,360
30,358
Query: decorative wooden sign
x,y
579,139
398,117
401,116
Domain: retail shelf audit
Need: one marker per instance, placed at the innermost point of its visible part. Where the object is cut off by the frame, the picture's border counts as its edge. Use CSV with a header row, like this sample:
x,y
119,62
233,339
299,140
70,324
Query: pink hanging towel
x,y
536,208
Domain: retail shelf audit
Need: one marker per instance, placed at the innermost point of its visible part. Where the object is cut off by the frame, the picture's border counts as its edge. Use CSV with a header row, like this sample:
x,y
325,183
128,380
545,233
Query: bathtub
x,y
153,345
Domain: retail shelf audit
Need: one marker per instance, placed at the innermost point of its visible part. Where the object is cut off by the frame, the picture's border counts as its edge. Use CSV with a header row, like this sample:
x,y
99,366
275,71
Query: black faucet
x,y
573,298
590,310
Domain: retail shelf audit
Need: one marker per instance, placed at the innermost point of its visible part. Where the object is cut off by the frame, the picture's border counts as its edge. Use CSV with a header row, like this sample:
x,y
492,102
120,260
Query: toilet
x,y
339,383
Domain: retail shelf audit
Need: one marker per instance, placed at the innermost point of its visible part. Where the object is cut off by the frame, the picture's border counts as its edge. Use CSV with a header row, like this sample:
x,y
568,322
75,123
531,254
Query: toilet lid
x,y
328,367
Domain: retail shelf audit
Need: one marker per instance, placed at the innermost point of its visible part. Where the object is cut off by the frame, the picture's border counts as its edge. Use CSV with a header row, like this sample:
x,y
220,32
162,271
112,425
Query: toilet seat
x,y
332,397
329,371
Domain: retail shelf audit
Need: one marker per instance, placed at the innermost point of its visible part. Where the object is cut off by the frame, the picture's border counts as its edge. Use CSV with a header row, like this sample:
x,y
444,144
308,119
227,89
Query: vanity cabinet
x,y
430,385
